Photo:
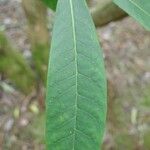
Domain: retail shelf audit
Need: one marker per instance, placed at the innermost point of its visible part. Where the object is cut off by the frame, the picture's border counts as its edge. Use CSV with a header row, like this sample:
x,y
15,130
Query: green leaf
x,y
139,9
76,88
51,3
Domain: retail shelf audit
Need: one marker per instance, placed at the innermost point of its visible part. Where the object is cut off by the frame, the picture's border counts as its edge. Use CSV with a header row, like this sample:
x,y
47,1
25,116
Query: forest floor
x,y
126,48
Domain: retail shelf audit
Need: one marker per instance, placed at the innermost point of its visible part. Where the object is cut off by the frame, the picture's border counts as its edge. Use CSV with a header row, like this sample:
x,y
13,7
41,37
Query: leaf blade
x,y
76,96
140,10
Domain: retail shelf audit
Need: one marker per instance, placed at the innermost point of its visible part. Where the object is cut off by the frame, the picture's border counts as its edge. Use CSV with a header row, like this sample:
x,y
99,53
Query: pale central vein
x,y
76,67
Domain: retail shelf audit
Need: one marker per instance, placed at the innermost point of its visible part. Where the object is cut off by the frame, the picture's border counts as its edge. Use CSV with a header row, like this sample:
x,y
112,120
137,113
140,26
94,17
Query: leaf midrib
x,y
76,68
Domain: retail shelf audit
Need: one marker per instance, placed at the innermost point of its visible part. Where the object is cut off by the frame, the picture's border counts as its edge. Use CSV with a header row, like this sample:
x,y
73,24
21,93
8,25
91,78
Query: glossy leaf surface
x,y
76,88
139,9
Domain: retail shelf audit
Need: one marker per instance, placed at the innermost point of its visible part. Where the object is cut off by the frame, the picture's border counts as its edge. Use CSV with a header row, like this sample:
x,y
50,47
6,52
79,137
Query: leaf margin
x,y
136,7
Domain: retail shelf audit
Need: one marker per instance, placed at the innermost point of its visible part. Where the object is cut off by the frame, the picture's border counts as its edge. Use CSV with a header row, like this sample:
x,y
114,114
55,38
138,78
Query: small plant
x,y
76,87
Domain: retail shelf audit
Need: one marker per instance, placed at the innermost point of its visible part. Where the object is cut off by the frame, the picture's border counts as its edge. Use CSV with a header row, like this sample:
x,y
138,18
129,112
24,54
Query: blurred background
x,y
25,33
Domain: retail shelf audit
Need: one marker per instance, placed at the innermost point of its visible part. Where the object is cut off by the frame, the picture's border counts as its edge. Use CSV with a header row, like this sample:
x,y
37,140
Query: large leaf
x,y
76,91
139,9
51,3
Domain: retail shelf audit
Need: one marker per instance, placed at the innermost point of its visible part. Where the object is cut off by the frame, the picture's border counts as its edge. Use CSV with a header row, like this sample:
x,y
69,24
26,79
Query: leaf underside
x,y
139,9
76,88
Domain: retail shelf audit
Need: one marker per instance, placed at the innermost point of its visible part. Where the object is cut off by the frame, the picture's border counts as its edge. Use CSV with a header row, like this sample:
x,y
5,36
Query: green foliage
x,y
40,56
14,66
146,97
139,9
76,91
124,142
51,3
147,139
